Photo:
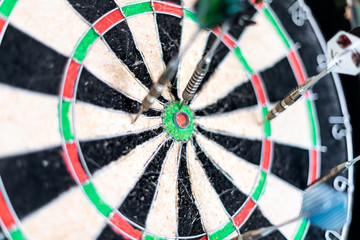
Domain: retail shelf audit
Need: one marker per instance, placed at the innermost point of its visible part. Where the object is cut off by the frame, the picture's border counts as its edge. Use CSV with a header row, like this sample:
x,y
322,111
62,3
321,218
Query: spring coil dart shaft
x,y
200,72
202,68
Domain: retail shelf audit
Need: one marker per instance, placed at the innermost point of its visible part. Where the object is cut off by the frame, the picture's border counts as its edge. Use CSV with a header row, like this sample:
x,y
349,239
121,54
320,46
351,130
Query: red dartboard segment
x,y
70,79
167,7
259,90
5,214
124,226
257,5
225,38
313,166
244,213
267,146
2,24
297,67
204,238
108,20
73,164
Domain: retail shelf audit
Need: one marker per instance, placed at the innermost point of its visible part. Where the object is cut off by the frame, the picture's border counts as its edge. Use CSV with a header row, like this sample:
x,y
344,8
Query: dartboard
x,y
73,165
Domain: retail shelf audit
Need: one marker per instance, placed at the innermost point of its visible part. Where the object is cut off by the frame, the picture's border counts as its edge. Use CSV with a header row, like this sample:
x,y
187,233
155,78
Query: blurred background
x,y
332,16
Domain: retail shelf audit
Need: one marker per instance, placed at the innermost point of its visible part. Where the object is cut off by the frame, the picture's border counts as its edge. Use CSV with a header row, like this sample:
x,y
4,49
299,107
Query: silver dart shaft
x,y
335,171
202,68
295,95
264,231
157,88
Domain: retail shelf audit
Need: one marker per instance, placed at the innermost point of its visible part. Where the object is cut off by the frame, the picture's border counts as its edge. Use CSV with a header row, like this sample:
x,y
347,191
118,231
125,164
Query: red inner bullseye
x,y
181,120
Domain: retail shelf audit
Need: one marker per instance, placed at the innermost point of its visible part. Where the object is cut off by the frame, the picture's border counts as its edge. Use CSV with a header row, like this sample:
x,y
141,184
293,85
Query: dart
x,y
201,69
169,73
211,14
322,206
336,171
343,56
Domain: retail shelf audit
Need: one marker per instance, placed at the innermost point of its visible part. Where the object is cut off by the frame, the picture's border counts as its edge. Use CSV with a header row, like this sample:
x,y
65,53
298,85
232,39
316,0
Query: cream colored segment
x,y
93,122
53,22
227,76
261,45
69,217
115,180
193,55
292,127
281,202
101,62
28,121
243,174
162,217
241,123
145,34
212,212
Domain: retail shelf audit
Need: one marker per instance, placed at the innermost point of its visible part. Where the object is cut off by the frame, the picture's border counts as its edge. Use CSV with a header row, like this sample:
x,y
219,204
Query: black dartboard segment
x,y
29,64
137,203
169,28
279,80
39,175
120,40
238,146
189,219
2,235
241,97
92,90
91,10
291,164
97,155
107,178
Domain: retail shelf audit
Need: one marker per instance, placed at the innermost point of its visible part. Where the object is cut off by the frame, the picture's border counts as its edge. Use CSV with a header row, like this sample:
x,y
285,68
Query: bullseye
x,y
178,122
181,120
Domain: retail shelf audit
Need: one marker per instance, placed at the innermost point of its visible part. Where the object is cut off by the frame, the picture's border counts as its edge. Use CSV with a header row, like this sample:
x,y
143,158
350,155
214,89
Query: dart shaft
x,y
265,231
169,73
157,89
202,68
335,171
295,95
200,72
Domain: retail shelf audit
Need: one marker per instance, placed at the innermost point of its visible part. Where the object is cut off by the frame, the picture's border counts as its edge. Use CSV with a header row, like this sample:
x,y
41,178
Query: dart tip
x,y
137,115
182,104
263,121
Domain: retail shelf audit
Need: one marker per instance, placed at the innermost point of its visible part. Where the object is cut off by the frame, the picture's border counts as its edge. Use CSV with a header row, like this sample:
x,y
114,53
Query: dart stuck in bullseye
x,y
343,56
210,14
